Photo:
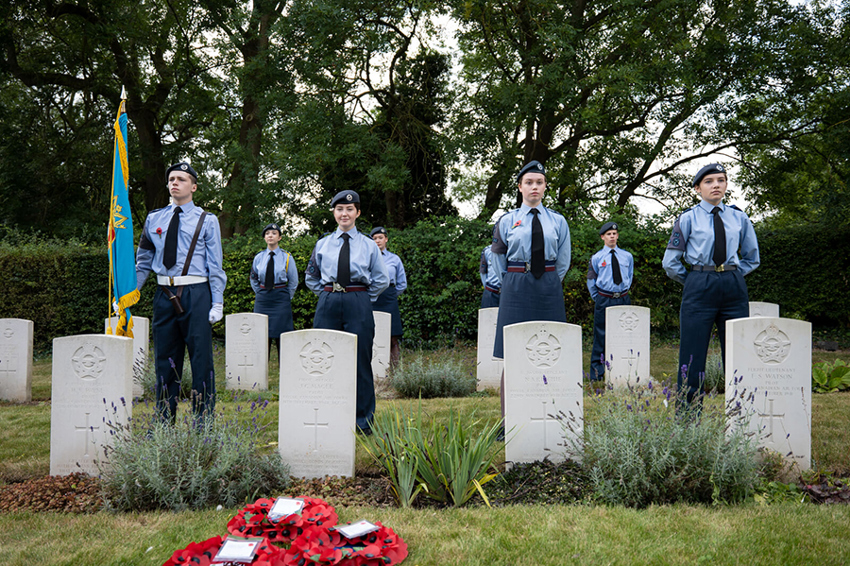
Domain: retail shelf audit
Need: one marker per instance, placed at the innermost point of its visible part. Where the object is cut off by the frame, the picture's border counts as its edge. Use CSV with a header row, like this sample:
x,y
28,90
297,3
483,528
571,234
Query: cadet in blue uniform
x,y
347,273
181,244
531,256
708,238
388,300
609,278
275,287
489,279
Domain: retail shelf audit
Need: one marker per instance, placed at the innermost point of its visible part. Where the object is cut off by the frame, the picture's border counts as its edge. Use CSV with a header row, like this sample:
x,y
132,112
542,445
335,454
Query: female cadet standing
x,y
531,254
388,300
347,273
274,279
708,237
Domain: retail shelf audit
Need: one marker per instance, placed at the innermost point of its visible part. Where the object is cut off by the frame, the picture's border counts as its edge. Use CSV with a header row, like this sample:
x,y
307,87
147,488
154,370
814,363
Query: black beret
x,y
708,170
608,226
531,167
378,230
345,197
182,166
271,226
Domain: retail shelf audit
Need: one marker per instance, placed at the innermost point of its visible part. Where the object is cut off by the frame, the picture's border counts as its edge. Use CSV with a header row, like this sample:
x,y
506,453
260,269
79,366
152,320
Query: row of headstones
x,y
626,344
543,378
246,356
247,350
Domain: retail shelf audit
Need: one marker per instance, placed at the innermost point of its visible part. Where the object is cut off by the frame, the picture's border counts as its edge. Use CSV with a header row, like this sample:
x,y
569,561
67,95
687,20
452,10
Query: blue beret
x,y
182,166
271,226
531,167
345,197
378,230
608,226
707,170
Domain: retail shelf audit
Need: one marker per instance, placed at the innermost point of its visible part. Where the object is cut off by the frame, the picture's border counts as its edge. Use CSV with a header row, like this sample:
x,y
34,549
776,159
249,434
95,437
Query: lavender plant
x,y
639,451
443,378
190,465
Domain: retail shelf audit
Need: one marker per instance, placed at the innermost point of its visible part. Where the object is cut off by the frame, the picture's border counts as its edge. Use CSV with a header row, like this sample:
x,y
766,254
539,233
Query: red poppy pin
x,y
603,264
159,232
518,222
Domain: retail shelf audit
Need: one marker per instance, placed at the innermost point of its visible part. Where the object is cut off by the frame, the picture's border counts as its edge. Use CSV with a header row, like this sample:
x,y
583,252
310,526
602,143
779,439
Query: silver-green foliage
x,y
429,379
446,461
144,373
715,379
639,451
189,465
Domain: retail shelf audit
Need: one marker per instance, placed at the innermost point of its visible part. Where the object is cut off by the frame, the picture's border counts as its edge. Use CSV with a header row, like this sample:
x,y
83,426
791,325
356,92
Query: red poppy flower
x,y
159,231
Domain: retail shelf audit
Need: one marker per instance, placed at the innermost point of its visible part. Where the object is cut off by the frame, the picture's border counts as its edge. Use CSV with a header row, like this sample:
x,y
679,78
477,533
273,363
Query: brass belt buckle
x,y
338,288
527,267
171,281
720,268
616,295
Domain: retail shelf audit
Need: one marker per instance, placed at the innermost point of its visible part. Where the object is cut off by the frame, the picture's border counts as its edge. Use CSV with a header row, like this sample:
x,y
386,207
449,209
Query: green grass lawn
x,y
748,534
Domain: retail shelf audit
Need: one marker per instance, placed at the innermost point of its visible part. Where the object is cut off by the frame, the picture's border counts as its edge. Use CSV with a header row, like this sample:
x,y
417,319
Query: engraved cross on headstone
x,y
630,359
545,420
246,357
771,416
88,428
316,424
8,362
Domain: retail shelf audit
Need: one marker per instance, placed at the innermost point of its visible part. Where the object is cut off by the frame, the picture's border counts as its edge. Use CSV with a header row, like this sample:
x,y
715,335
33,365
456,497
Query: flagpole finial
x,y
123,93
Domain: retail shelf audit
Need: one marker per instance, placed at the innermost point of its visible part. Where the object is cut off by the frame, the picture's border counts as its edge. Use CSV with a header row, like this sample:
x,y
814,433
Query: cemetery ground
x,y
787,532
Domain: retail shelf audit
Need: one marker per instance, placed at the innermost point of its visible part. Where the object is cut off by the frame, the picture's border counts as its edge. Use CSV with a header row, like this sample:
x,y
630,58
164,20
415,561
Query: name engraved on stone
x,y
772,345
543,349
88,362
317,357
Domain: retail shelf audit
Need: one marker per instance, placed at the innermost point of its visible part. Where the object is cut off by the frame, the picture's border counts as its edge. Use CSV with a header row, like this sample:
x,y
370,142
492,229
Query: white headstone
x,y
489,372
771,358
92,386
764,309
542,379
318,397
16,359
141,343
626,345
381,344
246,351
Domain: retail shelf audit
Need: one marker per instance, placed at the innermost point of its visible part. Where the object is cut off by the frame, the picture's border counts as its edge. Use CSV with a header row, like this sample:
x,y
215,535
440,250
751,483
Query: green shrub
x,y
715,378
430,379
828,377
188,466
445,461
639,451
145,375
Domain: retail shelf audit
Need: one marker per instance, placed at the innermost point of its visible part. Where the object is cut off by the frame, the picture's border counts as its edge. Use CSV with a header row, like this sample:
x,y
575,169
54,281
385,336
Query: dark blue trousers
x,y
172,334
352,312
597,355
489,299
708,298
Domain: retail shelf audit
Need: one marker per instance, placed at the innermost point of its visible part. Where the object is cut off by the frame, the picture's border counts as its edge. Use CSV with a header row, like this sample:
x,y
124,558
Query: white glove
x,y
115,307
216,312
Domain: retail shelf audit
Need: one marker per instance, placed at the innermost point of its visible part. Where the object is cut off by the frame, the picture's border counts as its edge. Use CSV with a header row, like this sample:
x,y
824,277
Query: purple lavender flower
x,y
170,361
545,381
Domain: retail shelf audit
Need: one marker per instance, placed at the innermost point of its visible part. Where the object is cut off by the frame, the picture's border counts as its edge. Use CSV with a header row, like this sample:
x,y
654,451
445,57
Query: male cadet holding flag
x,y
181,244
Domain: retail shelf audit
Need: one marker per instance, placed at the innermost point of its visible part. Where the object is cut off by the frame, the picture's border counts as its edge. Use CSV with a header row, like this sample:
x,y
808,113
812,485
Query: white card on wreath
x,y
285,506
241,551
358,529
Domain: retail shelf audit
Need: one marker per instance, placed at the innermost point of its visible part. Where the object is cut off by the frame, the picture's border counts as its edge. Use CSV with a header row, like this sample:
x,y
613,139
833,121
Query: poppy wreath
x,y
253,520
202,554
320,546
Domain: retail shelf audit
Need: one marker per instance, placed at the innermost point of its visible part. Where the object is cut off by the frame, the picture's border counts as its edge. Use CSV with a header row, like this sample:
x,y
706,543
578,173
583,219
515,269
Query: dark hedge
x,y
62,286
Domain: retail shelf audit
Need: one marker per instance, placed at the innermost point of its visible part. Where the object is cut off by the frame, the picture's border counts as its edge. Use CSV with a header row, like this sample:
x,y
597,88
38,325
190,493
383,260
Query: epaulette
x,y
157,210
735,207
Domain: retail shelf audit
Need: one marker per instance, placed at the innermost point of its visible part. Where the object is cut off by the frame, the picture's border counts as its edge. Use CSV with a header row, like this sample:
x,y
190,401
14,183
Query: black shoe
x,y
364,431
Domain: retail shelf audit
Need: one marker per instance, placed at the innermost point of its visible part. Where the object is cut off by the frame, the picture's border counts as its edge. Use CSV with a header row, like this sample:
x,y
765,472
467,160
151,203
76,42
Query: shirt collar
x,y
525,208
708,207
188,207
353,232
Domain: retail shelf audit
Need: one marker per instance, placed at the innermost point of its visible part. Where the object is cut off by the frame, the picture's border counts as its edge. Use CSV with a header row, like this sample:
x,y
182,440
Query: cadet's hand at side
x,y
216,312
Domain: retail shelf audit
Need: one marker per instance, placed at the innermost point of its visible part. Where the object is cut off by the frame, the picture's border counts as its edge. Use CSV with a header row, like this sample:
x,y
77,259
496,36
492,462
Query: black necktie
x,y
343,269
615,267
169,258
270,272
538,250
719,238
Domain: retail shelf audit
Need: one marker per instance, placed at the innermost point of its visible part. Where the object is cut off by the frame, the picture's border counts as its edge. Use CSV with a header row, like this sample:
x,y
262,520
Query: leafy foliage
x,y
443,378
828,377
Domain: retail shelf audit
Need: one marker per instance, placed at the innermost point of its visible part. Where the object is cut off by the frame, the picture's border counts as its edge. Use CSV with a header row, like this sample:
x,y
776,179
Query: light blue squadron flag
x,y
122,259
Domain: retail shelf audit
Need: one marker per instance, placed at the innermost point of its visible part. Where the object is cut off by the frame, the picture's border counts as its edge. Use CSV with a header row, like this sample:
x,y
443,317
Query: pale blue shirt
x,y
395,271
285,271
512,239
367,266
488,271
206,259
693,240
600,275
